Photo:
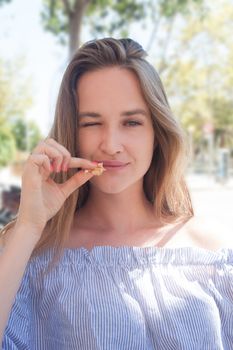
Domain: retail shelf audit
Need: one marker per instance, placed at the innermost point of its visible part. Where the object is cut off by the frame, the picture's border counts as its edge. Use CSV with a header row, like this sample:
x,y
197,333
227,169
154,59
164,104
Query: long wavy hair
x,y
164,183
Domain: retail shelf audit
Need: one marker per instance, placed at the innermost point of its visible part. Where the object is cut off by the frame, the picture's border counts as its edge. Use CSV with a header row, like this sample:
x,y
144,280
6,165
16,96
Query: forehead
x,y
113,86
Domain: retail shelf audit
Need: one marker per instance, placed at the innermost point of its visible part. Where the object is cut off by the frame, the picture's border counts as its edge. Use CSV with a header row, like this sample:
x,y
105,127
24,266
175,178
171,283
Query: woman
x,y
114,261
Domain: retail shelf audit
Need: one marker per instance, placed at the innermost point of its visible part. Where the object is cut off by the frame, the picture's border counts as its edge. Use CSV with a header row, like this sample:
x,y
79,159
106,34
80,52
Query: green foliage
x,y
107,17
13,107
19,131
34,135
222,112
111,17
168,8
2,2
12,82
55,19
7,145
199,81
186,86
26,134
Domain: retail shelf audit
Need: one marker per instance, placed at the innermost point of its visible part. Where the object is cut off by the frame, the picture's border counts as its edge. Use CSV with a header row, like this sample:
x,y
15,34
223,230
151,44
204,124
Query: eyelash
x,y
136,123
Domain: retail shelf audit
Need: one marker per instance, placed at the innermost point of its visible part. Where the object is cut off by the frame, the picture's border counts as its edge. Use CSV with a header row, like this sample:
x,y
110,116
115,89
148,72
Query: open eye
x,y
133,123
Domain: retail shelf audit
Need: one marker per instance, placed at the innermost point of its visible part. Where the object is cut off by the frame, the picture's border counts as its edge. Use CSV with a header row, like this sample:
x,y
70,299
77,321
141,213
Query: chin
x,y
114,187
110,189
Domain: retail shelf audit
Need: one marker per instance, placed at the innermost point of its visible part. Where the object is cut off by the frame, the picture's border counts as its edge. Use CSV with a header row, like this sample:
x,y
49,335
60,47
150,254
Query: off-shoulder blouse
x,y
122,298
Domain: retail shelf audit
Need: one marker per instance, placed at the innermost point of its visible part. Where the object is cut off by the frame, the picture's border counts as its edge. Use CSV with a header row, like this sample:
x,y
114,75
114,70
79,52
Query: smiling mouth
x,y
115,167
112,163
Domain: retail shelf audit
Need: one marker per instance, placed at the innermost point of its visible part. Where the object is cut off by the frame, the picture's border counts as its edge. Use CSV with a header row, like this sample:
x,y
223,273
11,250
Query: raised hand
x,y
41,197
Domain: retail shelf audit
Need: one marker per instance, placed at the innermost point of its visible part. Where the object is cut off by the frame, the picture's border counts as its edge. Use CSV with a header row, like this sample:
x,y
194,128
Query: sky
x,y
22,34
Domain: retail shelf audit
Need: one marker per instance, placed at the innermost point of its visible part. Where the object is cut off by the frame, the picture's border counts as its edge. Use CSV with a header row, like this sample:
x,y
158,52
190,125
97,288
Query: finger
x,y
66,154
57,153
53,153
36,164
81,163
74,183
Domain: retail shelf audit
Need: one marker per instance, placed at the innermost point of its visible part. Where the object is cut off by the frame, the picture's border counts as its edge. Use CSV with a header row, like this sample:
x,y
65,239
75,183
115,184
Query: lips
x,y
112,163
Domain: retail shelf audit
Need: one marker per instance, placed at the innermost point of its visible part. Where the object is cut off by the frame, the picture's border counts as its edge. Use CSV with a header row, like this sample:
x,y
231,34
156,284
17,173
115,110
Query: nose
x,y
111,142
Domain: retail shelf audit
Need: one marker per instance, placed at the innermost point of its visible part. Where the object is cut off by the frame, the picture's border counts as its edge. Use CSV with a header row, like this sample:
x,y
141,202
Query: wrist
x,y
29,229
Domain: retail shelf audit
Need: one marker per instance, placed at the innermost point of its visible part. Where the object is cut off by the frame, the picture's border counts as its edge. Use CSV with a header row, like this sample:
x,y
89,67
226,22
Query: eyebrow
x,y
123,114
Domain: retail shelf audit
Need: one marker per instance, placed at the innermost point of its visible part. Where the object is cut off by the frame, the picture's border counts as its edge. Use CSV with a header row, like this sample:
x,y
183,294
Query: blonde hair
x,y
164,183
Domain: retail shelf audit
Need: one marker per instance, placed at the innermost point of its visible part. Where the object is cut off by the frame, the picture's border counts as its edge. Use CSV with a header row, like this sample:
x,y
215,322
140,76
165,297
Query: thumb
x,y
76,181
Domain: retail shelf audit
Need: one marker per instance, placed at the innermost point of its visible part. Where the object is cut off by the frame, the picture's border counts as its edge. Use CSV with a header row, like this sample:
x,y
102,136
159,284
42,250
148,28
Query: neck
x,y
127,211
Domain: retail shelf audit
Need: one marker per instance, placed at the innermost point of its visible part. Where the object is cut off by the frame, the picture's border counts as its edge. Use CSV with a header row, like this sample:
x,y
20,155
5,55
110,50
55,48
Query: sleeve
x,y
224,299
16,335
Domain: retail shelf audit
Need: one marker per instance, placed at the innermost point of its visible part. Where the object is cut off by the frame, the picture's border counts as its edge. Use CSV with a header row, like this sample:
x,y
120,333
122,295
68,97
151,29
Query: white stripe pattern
x,y
121,298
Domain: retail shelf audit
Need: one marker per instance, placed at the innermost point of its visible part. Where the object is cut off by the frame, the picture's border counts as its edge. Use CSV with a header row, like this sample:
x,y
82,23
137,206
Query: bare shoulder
x,y
209,233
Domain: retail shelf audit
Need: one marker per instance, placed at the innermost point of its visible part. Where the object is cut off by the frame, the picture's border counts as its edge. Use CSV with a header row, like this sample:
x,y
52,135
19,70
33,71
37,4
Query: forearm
x,y
13,262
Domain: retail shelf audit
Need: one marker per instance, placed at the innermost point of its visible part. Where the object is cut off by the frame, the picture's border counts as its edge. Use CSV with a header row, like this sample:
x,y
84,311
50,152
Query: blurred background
x,y
190,44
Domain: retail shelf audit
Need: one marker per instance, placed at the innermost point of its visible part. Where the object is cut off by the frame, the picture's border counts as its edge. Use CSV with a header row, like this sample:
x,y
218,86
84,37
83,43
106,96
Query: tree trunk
x,y
75,23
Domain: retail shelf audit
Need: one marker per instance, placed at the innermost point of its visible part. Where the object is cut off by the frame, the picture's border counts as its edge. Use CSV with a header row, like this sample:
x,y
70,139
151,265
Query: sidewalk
x,y
212,200
202,182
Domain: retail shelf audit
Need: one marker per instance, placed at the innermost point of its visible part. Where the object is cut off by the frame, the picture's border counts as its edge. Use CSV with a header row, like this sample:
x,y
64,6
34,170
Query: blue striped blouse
x,y
121,298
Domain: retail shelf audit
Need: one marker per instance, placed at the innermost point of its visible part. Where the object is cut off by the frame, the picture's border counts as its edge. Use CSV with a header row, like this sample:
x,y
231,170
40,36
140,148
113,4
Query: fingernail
x,y
94,163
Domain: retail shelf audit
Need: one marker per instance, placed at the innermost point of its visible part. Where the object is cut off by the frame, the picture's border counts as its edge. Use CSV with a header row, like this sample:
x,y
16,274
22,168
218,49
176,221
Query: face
x,y
115,128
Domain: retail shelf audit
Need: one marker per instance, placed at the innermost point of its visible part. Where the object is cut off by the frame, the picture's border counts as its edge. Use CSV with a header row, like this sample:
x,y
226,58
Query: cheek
x,y
145,145
85,145
147,151
142,152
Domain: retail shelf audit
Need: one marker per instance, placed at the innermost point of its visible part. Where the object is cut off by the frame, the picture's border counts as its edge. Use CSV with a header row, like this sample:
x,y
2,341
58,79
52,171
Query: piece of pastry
x,y
98,170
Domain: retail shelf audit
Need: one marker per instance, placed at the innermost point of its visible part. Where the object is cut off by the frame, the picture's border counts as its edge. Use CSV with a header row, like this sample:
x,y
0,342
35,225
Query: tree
x,y
7,145
199,81
13,107
34,135
2,2
12,82
64,18
26,134
222,112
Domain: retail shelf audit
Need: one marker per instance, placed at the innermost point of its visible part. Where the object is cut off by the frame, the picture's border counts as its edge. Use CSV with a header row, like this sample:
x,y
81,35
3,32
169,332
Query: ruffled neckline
x,y
137,256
